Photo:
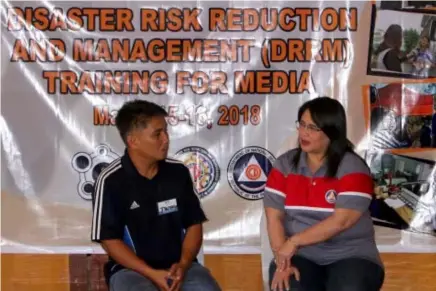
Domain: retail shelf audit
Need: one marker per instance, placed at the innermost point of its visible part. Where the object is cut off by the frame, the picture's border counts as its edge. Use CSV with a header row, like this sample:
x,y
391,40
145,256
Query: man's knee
x,y
199,278
127,280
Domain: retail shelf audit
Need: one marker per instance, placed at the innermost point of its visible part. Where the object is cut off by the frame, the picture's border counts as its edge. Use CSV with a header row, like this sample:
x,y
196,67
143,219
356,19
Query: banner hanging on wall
x,y
231,76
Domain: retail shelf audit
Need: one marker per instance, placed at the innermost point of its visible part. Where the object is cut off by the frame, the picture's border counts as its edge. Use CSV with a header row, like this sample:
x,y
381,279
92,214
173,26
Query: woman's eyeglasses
x,y
309,127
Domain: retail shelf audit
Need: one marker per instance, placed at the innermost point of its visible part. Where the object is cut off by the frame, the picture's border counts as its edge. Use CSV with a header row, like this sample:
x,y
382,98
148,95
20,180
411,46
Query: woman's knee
x,y
355,275
353,286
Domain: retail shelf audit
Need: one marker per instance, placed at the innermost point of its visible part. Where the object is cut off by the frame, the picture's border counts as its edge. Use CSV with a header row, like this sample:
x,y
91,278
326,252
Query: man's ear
x,y
131,140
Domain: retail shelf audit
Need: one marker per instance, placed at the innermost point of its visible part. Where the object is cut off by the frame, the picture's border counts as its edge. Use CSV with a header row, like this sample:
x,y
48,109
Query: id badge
x,y
167,206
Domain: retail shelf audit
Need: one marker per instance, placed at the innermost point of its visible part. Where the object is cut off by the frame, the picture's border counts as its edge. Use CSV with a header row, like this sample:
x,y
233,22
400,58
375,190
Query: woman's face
x,y
423,42
310,136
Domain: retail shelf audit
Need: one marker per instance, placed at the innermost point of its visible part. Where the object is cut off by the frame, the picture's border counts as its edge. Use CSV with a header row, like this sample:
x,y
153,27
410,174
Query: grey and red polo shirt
x,y
307,199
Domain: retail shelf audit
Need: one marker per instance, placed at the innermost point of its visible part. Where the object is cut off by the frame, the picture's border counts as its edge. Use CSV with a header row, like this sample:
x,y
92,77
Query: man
x,y
146,214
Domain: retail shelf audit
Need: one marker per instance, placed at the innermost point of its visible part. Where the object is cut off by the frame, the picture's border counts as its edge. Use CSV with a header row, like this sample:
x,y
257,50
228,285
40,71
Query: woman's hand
x,y
285,253
281,279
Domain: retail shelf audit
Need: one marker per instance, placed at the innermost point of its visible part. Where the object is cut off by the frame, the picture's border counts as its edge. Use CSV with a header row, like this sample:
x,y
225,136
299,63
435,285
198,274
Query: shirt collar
x,y
130,168
128,164
303,167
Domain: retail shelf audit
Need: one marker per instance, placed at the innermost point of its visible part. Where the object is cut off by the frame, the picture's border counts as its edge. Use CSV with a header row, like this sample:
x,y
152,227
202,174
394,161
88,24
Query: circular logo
x,y
248,171
89,166
204,169
330,196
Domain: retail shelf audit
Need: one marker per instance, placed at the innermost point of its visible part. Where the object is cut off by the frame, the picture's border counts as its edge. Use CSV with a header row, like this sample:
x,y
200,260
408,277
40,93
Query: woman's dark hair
x,y
329,115
393,33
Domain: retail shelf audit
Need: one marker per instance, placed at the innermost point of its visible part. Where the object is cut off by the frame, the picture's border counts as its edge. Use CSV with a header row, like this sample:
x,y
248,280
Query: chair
x,y
266,252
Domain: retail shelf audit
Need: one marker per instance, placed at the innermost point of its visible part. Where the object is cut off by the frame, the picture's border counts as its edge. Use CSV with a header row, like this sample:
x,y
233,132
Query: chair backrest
x,y
266,252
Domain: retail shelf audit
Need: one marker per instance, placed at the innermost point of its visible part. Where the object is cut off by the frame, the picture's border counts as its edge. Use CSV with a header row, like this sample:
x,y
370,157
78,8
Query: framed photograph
x,y
406,5
401,116
402,43
405,192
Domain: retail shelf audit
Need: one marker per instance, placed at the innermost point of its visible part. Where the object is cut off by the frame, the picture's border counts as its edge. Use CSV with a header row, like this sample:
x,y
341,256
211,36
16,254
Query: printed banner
x,y
231,76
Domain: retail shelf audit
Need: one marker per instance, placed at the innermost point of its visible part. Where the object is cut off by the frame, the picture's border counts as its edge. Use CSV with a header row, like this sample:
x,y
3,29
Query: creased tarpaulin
x,y
232,76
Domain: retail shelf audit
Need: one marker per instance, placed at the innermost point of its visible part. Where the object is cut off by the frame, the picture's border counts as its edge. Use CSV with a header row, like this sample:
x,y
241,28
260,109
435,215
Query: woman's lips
x,y
304,142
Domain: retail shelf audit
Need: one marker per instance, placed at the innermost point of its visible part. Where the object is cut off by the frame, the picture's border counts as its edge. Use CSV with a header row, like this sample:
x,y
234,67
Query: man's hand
x,y
281,280
285,253
177,273
159,278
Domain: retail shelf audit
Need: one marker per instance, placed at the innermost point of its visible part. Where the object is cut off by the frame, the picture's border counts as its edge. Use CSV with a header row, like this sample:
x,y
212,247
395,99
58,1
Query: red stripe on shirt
x,y
356,182
318,191
276,180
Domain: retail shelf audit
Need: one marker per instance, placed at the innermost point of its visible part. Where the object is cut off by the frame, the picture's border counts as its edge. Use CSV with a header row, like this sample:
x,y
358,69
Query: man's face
x,y
151,142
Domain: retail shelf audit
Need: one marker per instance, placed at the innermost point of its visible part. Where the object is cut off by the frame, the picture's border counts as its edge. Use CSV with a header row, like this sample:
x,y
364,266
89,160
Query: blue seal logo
x,y
330,196
204,169
248,171
89,166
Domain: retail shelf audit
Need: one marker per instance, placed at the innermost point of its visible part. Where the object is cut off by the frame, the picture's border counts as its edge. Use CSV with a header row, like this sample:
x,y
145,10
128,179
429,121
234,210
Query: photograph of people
x,y
404,192
401,115
403,48
406,4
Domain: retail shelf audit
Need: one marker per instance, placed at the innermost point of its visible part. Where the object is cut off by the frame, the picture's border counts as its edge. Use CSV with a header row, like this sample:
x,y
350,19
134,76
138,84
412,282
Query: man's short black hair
x,y
136,114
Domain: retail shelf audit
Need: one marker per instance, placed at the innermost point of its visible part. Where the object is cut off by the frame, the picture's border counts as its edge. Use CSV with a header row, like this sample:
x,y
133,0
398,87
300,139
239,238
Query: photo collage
x,y
401,115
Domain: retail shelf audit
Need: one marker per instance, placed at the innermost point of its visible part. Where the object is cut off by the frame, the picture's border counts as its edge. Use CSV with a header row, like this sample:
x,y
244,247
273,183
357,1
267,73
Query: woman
x,y
421,58
388,55
316,203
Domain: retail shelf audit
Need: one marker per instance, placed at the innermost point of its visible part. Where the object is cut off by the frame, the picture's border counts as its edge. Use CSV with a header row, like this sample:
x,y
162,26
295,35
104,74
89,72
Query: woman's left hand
x,y
282,279
285,254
